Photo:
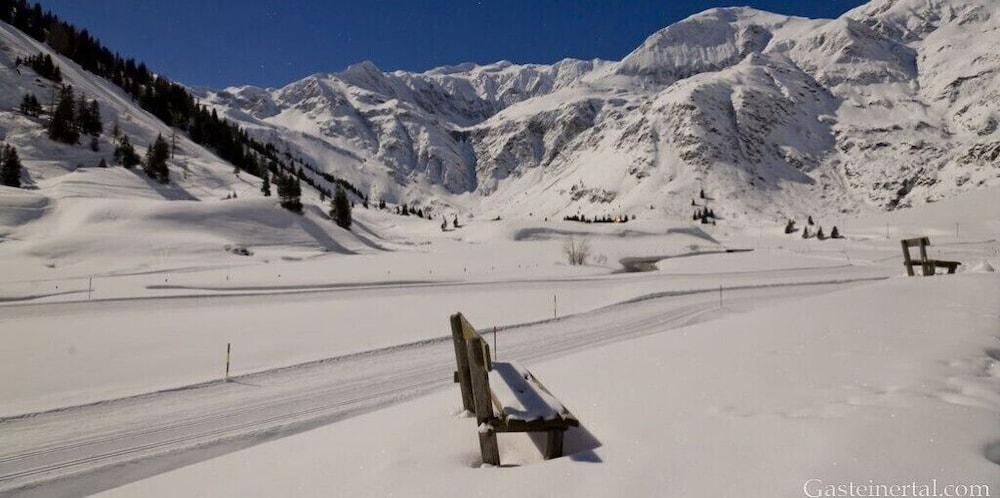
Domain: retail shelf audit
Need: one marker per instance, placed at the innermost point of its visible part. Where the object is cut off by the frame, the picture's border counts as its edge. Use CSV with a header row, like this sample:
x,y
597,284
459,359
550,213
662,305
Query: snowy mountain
x,y
892,104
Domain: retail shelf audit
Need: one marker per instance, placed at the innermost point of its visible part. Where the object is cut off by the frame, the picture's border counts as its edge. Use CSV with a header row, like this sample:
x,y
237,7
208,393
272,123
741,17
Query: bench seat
x,y
523,403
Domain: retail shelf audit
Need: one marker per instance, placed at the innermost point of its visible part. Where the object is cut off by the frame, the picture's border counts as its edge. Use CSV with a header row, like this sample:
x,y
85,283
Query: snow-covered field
x,y
822,361
840,387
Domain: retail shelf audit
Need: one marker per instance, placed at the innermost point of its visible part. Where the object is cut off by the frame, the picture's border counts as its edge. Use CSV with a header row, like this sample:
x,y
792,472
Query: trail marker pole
x,y
90,287
554,307
720,296
229,348
495,343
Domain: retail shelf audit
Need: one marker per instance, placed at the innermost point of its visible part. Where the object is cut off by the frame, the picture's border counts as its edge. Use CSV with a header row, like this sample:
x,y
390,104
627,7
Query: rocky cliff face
x,y
892,104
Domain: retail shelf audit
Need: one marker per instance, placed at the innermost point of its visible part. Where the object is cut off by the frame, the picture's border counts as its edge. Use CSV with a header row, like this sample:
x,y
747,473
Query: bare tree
x,y
577,250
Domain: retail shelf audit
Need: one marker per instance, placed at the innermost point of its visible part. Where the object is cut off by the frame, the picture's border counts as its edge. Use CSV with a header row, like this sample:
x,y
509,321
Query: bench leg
x,y
554,444
488,448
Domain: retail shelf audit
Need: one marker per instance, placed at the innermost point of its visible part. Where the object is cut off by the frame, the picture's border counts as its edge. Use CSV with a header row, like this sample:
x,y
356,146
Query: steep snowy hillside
x,y
69,210
892,104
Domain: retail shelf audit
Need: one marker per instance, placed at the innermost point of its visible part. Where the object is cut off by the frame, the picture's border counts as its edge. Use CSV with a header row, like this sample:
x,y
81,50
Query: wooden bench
x,y
521,402
928,266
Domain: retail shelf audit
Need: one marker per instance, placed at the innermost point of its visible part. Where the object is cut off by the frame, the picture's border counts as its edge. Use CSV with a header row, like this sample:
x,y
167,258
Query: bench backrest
x,y
921,242
469,346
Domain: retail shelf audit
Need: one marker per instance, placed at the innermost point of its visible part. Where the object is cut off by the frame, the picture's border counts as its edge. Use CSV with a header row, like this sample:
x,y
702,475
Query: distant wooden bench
x,y
522,403
928,266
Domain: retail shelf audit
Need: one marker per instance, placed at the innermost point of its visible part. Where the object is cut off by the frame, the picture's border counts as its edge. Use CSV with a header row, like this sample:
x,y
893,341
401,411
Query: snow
x,y
519,394
775,116
772,398
321,337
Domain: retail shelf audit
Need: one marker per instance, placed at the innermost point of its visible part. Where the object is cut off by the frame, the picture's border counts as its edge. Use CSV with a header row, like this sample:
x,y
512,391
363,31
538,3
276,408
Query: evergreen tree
x,y
43,65
156,160
381,204
697,216
289,192
89,118
820,235
805,232
30,106
702,193
790,226
62,126
125,154
834,234
340,209
810,221
10,167
265,186
80,114
102,164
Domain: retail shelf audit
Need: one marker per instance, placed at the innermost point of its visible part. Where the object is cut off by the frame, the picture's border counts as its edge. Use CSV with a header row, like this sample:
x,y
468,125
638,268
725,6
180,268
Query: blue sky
x,y
272,42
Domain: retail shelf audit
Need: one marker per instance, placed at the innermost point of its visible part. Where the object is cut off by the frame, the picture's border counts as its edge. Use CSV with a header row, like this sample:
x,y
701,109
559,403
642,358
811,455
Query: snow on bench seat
x,y
520,397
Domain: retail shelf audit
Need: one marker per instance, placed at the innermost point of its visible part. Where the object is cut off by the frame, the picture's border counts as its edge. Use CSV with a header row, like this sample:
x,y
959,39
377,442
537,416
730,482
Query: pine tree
x,y
805,232
289,192
10,167
156,160
30,106
820,235
810,221
90,122
702,193
125,154
81,114
62,126
790,226
697,215
834,234
340,209
265,186
102,164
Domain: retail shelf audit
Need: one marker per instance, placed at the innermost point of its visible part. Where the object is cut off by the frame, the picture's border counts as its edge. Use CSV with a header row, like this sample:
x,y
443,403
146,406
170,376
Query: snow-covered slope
x,y
70,210
890,105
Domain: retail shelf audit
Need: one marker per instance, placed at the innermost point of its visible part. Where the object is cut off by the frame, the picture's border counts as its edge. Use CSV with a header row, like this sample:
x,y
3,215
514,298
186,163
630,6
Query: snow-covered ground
x,y
820,349
848,386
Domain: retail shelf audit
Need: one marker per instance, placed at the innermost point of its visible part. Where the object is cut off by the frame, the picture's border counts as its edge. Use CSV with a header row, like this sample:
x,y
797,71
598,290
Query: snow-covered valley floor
x,y
821,361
